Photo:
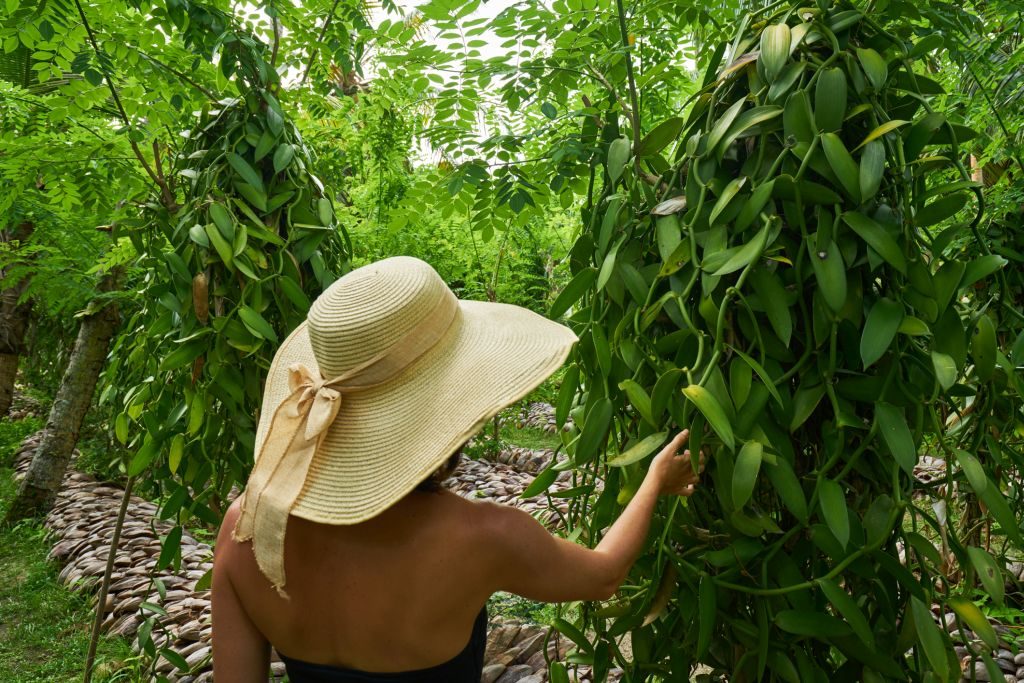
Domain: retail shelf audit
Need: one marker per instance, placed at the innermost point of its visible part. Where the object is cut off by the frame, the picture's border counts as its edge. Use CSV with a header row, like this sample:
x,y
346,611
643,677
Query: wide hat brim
x,y
387,439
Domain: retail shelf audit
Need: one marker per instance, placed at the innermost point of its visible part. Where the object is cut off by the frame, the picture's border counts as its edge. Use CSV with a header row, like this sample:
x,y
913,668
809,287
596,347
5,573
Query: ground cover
x,y
44,628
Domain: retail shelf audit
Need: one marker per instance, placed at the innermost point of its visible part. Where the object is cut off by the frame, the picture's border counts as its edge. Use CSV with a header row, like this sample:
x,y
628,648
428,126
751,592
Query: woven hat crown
x,y
365,312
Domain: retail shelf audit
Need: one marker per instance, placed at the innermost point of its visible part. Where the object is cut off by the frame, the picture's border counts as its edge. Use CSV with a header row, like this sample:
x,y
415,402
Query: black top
x,y
465,667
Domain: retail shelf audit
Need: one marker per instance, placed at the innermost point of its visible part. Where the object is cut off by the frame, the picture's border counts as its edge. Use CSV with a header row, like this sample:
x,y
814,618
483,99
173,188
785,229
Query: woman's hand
x,y
673,469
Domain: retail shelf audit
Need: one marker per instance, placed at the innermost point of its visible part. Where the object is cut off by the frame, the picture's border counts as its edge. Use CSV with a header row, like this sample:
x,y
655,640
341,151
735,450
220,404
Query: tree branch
x,y
319,40
166,195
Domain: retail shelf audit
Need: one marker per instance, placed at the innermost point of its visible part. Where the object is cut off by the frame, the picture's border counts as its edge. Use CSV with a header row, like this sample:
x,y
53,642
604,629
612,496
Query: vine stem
x,y
633,99
101,598
166,195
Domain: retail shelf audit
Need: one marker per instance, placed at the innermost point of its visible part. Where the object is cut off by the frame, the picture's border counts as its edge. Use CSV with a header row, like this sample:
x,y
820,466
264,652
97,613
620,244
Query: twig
x,y
168,198
319,40
181,75
101,598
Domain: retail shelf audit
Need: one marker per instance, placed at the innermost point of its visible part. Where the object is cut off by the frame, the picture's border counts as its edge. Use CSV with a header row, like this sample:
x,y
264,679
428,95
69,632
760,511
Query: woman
x,y
382,575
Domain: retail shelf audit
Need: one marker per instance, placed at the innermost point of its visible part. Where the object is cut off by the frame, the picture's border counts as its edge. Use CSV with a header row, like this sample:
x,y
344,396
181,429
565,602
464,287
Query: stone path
x,y
82,523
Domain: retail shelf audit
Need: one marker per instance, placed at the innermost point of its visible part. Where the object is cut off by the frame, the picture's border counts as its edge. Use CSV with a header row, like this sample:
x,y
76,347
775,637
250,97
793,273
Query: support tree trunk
x,y
39,488
14,319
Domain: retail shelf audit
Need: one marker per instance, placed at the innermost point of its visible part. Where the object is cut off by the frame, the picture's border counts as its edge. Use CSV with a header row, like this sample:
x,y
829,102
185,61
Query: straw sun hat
x,y
387,377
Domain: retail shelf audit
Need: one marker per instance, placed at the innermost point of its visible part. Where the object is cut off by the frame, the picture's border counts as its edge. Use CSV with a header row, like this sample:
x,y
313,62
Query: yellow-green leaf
x,y
886,127
639,450
775,43
712,410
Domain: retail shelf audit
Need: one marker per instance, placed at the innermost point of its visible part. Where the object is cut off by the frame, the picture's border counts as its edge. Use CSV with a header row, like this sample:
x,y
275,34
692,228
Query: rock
x,y
514,674
491,672
980,671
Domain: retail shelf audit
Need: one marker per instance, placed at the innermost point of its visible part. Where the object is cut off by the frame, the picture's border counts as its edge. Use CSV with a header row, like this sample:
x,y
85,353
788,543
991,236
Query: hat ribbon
x,y
297,429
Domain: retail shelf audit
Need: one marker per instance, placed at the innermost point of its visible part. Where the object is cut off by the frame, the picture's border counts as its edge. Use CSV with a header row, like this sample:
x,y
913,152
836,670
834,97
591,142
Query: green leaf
x,y
639,399
712,410
580,283
182,356
744,473
785,481
833,507
872,169
283,157
668,234
256,323
143,457
772,296
707,613
659,138
805,400
746,254
608,265
541,483
988,573
548,110
983,348
253,195
842,164
247,172
945,369
745,123
880,329
121,428
813,624
727,196
914,327
222,246
752,206
558,673
595,431
170,548
176,452
573,634
846,606
205,581
881,130
930,638
877,238
980,268
775,43
174,658
639,450
874,66
830,94
797,119
761,372
975,620
723,124
896,435
224,221
830,272
941,209
618,157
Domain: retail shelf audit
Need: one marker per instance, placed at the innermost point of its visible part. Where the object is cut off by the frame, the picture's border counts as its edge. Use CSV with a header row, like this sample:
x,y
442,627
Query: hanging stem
x,y
101,598
633,99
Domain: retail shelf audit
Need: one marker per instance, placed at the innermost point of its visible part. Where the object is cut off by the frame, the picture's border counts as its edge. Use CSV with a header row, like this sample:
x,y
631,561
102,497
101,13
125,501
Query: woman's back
x,y
398,592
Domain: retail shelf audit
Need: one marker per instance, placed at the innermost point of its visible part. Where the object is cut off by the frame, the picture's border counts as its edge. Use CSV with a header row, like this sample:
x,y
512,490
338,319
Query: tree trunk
x,y
39,488
13,322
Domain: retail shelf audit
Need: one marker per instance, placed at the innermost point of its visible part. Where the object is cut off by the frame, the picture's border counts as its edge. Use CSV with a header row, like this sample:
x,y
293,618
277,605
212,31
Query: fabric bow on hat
x,y
296,431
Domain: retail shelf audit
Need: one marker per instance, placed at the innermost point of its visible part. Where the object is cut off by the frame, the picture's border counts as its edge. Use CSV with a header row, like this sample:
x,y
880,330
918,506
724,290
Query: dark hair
x,y
435,482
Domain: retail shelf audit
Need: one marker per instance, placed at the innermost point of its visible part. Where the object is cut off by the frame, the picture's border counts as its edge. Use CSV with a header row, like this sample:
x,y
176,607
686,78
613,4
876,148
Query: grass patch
x,y
44,628
512,606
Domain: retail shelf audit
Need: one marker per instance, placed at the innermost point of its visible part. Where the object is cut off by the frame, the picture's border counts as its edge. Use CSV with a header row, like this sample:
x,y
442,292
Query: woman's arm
x,y
538,566
240,652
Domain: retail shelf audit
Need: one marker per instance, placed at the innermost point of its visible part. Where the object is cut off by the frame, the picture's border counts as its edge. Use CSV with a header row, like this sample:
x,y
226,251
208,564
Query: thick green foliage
x,y
784,291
